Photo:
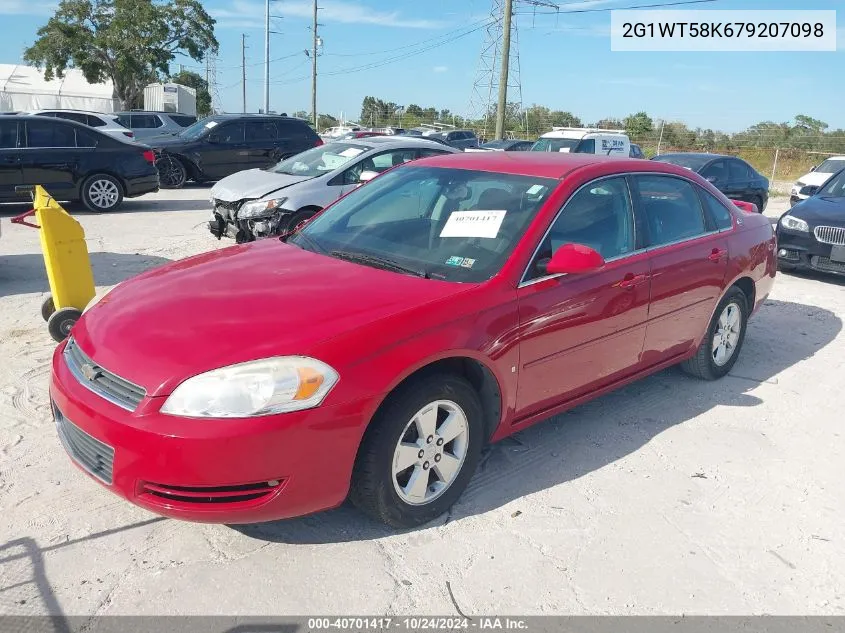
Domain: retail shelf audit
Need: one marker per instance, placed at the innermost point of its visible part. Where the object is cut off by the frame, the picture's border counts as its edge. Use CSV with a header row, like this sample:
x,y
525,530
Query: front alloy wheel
x,y
419,451
430,452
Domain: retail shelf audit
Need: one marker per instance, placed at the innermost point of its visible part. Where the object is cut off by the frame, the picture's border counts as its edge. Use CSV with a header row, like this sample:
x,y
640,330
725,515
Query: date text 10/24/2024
x,y
362,624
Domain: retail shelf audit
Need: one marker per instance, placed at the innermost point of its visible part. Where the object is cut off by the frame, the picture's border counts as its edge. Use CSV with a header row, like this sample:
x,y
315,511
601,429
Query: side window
x,y
73,116
257,131
586,146
383,162
599,215
125,120
718,212
93,121
672,209
145,121
8,134
738,170
49,134
229,133
183,120
716,172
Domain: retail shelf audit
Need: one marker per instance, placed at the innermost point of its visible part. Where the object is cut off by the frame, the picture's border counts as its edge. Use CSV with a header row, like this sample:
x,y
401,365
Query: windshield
x,y
831,166
835,187
690,161
319,160
196,130
496,144
555,144
452,224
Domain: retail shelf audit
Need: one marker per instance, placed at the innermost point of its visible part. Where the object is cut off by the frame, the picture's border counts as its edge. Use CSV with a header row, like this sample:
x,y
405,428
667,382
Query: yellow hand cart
x,y
65,258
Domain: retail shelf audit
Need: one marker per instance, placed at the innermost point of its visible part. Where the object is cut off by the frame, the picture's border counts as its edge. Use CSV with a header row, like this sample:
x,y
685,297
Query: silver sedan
x,y
259,203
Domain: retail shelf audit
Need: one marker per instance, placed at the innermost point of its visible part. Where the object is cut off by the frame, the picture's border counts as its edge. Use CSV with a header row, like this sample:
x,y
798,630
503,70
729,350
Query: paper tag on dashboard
x,y
473,224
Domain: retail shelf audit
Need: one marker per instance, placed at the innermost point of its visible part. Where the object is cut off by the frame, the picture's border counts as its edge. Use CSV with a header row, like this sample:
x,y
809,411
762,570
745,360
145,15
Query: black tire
x,y
703,365
172,173
61,321
102,193
373,489
759,202
785,268
290,223
48,308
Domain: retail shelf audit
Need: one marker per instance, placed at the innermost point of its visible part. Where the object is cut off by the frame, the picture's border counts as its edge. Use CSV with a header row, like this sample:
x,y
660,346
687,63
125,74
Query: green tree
x,y
639,125
131,42
193,80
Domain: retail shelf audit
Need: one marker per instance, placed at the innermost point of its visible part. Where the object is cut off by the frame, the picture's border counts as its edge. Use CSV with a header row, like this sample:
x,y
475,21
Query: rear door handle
x,y
631,280
716,254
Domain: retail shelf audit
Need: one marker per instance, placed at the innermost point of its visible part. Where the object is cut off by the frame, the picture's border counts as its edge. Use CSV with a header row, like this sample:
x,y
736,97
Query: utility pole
x,y
266,56
243,70
314,69
503,77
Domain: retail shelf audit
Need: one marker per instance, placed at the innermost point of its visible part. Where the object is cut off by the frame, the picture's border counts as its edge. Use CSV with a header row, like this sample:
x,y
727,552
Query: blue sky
x,y
566,61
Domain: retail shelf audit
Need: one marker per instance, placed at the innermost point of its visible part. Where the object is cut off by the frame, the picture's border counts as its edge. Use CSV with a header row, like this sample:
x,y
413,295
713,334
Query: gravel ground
x,y
669,496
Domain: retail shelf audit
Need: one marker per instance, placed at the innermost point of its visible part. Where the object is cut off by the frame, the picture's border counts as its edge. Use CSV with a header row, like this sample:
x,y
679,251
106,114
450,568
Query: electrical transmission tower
x,y
485,90
211,81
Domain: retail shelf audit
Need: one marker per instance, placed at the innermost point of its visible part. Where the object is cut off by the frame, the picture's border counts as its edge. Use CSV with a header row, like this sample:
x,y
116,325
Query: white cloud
x,y
248,13
440,69
22,7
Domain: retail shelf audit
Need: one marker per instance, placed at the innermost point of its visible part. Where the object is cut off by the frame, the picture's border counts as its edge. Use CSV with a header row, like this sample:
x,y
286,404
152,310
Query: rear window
x,y
298,130
49,134
183,120
555,144
124,120
145,121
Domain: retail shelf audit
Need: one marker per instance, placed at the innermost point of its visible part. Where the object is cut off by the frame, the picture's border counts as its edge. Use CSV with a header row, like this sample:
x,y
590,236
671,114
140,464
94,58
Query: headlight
x,y
255,388
259,208
794,224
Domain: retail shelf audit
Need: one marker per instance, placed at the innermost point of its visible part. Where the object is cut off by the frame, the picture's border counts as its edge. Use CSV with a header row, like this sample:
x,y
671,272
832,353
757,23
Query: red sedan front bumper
x,y
209,470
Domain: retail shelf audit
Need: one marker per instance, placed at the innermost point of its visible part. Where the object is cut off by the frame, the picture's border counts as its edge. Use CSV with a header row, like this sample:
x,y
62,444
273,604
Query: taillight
x,y
150,156
319,142
129,134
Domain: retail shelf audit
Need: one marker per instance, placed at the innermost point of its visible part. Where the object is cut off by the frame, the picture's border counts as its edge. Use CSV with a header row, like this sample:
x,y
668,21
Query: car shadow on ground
x,y
143,204
25,273
596,434
822,277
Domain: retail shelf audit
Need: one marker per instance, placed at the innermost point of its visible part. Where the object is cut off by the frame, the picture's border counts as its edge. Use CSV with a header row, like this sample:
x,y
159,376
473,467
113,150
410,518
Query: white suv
x,y
105,123
584,140
816,177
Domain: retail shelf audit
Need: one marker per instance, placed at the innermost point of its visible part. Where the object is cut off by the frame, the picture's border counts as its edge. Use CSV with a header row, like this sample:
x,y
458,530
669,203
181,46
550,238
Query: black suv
x,y
223,144
456,138
72,162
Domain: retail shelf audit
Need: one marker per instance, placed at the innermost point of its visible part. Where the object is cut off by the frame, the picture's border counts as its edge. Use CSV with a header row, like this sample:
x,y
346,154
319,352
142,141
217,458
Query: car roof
x,y
542,164
249,115
697,155
105,114
389,141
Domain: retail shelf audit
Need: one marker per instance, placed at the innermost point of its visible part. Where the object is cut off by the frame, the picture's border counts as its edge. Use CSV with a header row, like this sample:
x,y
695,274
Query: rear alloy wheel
x,y
420,451
171,172
102,192
720,348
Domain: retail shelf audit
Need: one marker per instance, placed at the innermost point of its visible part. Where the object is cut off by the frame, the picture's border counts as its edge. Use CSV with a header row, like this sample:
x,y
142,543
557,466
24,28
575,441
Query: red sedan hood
x,y
238,304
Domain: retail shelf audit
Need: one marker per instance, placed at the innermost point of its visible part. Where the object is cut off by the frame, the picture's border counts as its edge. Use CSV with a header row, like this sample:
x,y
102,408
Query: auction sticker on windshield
x,y
473,224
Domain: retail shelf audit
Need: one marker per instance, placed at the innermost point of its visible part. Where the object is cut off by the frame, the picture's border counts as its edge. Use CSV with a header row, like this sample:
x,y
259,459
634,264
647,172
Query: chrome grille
x,y
830,235
93,455
824,263
101,381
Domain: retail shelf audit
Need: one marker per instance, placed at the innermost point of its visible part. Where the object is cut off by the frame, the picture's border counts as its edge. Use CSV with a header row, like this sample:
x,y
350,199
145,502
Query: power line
x,y
603,10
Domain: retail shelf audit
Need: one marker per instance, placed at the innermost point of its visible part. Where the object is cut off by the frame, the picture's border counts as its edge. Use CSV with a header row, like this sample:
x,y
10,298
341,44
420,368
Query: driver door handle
x,y
717,254
632,281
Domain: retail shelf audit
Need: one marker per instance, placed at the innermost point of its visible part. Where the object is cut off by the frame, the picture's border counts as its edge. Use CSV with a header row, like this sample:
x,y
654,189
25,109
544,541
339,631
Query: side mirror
x,y
808,190
814,167
711,179
366,176
748,207
572,259
213,139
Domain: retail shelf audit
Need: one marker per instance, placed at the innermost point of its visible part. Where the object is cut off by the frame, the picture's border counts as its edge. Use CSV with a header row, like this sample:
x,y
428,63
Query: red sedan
x,y
372,354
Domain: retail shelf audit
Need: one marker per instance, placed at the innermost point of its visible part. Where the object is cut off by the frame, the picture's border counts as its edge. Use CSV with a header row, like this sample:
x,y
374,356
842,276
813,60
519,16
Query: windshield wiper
x,y
380,262
308,241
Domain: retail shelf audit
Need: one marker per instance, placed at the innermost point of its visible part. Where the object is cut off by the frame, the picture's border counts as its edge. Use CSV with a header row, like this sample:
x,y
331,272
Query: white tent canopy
x,y
24,88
